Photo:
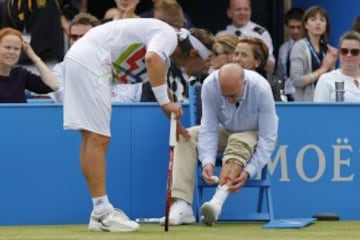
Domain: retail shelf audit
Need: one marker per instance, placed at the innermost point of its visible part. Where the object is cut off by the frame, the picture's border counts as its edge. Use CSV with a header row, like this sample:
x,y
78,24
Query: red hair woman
x,y
14,80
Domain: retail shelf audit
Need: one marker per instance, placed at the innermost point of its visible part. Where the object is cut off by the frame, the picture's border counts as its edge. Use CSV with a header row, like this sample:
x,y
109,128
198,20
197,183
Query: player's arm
x,y
156,73
155,69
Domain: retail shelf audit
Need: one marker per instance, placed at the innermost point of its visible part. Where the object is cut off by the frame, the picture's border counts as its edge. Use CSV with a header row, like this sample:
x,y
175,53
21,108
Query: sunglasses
x,y
353,52
75,37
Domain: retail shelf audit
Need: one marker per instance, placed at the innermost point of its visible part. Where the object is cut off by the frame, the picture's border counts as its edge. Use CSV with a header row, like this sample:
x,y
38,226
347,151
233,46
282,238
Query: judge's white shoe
x,y
180,213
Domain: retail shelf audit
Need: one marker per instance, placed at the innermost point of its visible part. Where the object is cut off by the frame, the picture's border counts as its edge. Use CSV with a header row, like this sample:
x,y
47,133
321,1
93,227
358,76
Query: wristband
x,y
161,94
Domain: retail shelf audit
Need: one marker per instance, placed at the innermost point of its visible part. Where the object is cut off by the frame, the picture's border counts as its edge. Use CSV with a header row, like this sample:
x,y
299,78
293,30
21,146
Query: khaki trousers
x,y
236,146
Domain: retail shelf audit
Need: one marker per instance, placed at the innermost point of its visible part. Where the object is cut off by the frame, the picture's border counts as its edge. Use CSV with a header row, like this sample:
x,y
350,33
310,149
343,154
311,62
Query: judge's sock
x,y
220,195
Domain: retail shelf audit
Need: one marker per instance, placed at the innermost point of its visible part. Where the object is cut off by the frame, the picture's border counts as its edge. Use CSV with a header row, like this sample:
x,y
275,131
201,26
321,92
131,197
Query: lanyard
x,y
313,52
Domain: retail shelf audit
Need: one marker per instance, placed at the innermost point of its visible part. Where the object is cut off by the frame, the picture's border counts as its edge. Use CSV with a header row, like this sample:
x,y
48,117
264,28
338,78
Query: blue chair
x,y
264,208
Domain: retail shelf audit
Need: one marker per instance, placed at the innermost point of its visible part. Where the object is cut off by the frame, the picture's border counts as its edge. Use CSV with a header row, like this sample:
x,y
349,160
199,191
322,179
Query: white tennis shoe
x,y
180,213
113,221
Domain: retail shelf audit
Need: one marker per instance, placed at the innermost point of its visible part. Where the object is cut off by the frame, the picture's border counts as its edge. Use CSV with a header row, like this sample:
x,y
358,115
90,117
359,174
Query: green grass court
x,y
320,230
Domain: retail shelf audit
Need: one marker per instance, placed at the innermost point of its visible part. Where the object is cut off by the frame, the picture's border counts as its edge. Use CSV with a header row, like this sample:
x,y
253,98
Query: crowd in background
x,y
301,71
87,54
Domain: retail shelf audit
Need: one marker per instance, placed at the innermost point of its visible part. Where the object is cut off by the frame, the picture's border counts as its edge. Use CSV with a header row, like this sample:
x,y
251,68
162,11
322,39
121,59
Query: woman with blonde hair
x,y
223,50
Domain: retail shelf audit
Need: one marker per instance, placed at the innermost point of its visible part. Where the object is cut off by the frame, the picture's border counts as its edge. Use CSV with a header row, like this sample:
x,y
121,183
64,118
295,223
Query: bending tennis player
x,y
129,51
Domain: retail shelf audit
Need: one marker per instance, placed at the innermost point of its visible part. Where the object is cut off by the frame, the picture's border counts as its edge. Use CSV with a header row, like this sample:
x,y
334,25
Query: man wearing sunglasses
x,y
347,76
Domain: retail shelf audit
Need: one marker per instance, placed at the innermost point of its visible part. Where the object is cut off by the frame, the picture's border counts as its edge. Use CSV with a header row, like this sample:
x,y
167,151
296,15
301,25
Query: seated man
x,y
239,119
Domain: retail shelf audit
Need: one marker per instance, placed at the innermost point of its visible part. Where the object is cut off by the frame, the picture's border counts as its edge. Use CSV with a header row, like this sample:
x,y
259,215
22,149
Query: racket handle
x,y
172,139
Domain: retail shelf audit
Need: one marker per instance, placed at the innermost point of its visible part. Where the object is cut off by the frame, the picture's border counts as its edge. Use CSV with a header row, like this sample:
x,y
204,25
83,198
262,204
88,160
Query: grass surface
x,y
319,230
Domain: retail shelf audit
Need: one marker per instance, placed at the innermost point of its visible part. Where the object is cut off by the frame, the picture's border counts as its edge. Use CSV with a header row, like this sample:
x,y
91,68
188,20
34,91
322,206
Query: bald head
x,y
231,74
231,80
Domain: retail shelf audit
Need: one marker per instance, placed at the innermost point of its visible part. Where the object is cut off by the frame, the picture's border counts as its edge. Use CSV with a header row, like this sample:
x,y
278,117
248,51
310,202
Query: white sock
x,y
181,201
101,205
220,195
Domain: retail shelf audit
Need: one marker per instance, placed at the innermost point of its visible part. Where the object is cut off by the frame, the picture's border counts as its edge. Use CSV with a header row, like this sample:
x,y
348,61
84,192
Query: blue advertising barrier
x,y
313,169
316,164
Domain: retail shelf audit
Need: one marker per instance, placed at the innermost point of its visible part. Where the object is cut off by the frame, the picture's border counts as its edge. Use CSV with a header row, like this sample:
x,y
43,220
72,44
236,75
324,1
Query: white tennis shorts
x,y
87,99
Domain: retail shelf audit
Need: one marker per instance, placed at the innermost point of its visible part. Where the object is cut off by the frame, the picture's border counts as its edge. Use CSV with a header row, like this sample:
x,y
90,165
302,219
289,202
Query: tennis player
x,y
128,51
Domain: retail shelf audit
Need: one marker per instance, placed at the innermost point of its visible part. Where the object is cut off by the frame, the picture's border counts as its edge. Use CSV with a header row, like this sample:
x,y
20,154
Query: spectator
x,y
293,23
252,53
150,13
124,9
15,80
40,21
348,73
130,49
223,50
239,11
311,56
247,140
